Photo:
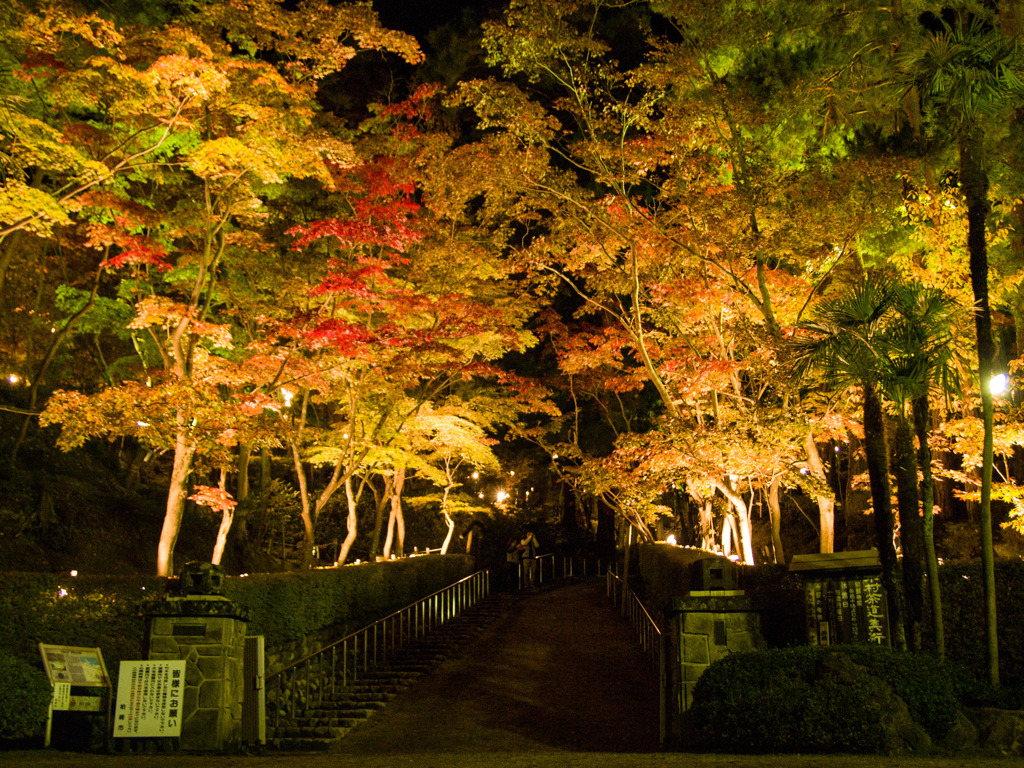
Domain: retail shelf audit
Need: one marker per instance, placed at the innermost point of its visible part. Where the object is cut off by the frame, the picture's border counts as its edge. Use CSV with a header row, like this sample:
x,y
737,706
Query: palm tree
x,y
919,339
967,73
845,340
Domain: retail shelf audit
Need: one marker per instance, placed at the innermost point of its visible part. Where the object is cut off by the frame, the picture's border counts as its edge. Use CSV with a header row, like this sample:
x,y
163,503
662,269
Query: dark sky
x,y
419,16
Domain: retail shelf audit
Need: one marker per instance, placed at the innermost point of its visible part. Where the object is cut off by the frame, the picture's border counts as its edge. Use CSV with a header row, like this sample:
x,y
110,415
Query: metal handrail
x,y
308,681
652,639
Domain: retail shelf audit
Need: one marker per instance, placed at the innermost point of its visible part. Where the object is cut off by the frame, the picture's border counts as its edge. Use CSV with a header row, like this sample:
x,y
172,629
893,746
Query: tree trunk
x,y
241,512
227,516
306,514
878,474
775,511
911,532
922,426
742,521
184,450
826,505
352,522
380,501
974,186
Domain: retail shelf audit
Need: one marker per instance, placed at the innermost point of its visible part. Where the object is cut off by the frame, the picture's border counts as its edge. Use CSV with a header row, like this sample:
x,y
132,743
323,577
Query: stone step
x,y
300,744
316,720
310,732
319,726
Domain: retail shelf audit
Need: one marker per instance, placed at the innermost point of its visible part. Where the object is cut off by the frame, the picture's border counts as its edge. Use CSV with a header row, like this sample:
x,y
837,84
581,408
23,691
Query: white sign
x,y
149,699
61,697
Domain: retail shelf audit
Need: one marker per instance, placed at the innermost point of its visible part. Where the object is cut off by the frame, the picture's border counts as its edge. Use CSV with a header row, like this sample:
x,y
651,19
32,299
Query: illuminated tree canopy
x,y
602,245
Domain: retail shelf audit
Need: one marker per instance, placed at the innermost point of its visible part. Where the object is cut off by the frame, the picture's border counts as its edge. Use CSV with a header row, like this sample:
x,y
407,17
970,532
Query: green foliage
x,y
344,598
920,680
818,699
105,612
88,611
24,697
963,618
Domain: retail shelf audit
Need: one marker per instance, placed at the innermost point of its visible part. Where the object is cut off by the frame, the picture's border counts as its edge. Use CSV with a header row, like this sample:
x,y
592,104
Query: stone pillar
x,y
208,632
709,625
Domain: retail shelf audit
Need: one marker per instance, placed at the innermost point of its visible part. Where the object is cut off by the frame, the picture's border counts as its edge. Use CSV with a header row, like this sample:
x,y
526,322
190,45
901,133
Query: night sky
x,y
419,16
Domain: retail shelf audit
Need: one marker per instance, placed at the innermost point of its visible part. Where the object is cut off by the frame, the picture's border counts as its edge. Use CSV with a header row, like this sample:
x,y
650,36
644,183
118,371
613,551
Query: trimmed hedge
x,y
24,698
803,700
286,606
105,612
89,611
963,616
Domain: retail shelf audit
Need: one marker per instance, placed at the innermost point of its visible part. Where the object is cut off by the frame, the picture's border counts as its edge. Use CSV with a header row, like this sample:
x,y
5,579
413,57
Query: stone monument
x,y
207,631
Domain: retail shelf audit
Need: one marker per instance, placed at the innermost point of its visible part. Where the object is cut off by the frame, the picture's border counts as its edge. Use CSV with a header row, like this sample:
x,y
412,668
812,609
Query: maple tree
x,y
229,124
677,224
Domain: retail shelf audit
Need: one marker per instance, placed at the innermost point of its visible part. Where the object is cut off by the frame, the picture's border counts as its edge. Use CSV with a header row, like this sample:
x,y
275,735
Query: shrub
x,y
821,699
24,698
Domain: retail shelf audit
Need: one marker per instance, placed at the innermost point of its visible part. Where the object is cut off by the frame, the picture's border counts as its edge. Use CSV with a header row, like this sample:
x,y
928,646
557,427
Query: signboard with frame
x,y
149,699
70,670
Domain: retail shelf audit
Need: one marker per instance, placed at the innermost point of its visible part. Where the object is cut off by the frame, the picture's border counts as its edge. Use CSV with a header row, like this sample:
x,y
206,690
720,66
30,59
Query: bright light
x,y
554,456
501,496
670,539
74,573
476,475
999,384
142,423
287,394
481,495
61,592
14,378
512,473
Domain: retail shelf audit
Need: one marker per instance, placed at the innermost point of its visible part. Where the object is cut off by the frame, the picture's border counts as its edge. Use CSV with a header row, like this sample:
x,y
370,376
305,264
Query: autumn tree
x,y
678,208
228,98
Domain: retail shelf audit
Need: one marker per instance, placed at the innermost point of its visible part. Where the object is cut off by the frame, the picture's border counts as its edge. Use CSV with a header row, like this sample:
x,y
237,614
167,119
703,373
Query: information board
x,y
76,666
149,699
70,669
846,609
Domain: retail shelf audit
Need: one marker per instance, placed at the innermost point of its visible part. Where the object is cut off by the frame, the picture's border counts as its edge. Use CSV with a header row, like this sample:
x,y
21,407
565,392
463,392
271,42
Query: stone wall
x,y
208,633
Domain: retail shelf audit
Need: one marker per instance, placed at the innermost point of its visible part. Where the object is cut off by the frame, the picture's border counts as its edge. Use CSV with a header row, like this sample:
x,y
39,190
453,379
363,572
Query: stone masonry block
x,y
193,674
212,667
162,647
692,672
211,694
202,731
189,699
695,649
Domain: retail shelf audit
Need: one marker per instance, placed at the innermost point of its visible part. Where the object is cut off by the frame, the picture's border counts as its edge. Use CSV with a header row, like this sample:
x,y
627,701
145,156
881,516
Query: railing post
x,y
662,692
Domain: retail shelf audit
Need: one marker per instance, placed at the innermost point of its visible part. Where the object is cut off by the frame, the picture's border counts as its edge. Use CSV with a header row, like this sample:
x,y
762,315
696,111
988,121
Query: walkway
x,y
560,672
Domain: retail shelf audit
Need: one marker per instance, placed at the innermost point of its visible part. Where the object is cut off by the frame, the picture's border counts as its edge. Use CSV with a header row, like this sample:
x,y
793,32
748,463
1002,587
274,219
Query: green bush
x,y
963,614
803,699
106,612
286,606
24,698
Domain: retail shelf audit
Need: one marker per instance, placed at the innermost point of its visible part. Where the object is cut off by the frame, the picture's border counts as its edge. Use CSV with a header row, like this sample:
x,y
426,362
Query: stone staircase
x,y
319,727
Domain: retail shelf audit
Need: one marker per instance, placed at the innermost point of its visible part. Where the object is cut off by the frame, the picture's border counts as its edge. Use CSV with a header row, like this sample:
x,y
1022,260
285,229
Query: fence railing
x,y
652,640
310,680
552,566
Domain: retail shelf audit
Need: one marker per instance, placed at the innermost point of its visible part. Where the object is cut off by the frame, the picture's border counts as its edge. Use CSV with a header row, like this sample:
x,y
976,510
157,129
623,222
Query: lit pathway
x,y
561,672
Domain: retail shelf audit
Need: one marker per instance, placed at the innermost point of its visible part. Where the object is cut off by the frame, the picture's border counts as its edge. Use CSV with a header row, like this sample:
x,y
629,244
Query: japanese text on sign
x,y
149,697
